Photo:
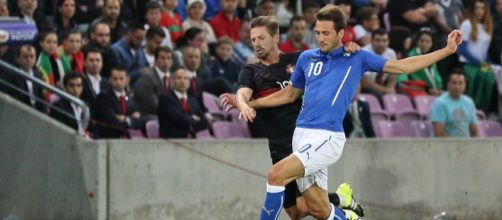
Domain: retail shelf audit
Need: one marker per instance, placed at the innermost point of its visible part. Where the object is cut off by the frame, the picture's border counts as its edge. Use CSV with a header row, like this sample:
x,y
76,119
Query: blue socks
x,y
336,213
273,203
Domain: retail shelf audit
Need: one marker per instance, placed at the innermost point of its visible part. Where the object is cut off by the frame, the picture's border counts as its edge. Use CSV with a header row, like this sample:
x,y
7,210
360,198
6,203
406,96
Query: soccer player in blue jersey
x,y
328,77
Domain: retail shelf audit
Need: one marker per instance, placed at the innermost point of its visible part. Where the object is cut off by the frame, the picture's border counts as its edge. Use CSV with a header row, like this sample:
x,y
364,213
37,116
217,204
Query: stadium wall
x,y
184,179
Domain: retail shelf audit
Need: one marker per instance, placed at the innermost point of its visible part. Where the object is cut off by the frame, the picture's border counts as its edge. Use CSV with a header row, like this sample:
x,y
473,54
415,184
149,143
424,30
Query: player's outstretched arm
x,y
413,64
282,97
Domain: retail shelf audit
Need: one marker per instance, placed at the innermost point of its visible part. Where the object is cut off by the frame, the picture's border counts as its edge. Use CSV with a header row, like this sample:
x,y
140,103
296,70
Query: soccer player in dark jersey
x,y
270,75
327,77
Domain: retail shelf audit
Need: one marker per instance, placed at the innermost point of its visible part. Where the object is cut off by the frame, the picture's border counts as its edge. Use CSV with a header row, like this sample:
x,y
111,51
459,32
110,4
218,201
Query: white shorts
x,y
317,149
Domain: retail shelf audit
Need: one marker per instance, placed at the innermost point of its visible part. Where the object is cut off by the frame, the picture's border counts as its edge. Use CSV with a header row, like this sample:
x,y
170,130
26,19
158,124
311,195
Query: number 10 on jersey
x,y
315,68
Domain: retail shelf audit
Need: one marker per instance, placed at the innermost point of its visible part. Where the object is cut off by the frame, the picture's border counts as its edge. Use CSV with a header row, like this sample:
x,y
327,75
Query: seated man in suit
x,y
129,52
26,58
65,111
154,83
94,83
357,122
179,113
113,110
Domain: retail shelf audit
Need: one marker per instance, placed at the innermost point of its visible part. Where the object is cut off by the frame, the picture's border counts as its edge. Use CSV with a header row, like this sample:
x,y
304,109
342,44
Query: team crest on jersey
x,y
290,68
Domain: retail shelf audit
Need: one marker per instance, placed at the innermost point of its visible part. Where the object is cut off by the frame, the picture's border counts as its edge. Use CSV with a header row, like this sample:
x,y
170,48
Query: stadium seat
x,y
480,115
393,129
212,104
422,129
227,130
204,135
375,107
423,104
152,129
399,106
490,129
136,134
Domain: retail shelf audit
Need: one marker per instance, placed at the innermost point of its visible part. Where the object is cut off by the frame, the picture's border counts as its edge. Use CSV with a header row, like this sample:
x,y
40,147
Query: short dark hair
x,y
270,22
44,35
455,71
365,13
67,34
93,26
69,77
17,52
92,50
310,4
119,68
155,31
379,32
134,26
176,69
152,6
162,49
224,40
332,13
296,18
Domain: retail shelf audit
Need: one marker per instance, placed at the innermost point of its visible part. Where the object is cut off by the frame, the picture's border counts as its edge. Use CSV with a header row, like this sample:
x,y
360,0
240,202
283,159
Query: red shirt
x,y
173,24
288,47
222,26
349,36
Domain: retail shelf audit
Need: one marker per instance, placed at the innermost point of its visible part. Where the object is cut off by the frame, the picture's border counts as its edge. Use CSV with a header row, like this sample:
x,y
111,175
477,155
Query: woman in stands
x,y
64,19
477,32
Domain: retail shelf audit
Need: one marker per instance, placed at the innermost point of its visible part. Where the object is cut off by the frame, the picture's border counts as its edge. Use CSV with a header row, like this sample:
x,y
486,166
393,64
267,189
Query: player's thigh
x,y
286,170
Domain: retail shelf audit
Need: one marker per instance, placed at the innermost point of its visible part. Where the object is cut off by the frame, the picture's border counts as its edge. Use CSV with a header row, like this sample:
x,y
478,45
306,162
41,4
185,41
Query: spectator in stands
x,y
367,19
243,49
379,83
225,23
72,42
426,81
4,10
357,122
172,20
222,65
88,10
111,16
52,66
414,14
196,9
284,14
294,41
194,37
153,13
450,13
129,53
400,41
265,8
477,32
25,59
64,18
100,38
154,38
28,13
63,110
154,83
179,113
309,11
349,33
495,49
93,82
454,114
114,110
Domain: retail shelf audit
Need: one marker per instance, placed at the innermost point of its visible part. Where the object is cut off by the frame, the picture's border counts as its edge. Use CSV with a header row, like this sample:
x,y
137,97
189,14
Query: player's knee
x,y
274,177
319,212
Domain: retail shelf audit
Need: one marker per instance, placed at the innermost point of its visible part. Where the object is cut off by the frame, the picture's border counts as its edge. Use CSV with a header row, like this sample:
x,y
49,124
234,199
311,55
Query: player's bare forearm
x,y
413,64
243,96
282,97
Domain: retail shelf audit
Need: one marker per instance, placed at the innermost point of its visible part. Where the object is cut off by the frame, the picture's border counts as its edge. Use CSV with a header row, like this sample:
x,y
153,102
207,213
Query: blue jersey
x,y
330,81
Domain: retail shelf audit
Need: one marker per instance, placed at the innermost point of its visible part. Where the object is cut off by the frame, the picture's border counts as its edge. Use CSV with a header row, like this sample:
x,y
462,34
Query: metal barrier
x,y
83,123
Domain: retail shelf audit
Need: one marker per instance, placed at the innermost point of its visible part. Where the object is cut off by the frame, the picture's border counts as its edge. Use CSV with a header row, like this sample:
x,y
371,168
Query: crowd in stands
x,y
134,62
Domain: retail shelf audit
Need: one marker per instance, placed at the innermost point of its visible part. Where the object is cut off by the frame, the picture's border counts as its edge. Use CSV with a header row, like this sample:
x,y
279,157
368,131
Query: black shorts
x,y
291,192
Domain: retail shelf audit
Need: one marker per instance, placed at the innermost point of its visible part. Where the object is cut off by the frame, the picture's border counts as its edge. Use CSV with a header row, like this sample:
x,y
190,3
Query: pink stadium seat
x,y
212,104
400,107
136,134
490,129
204,135
424,104
480,115
152,129
227,130
375,107
393,129
422,129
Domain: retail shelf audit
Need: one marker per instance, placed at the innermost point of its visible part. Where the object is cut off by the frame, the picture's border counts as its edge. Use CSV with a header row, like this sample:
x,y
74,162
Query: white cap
x,y
191,2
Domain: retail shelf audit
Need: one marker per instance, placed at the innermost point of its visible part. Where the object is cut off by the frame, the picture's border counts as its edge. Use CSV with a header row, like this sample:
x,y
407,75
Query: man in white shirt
x,y
93,82
379,83
367,19
154,39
